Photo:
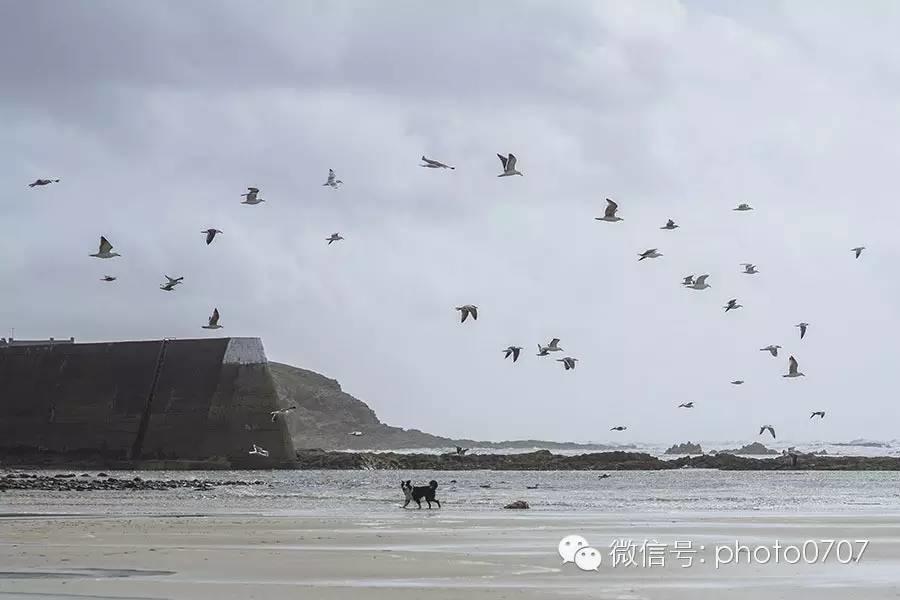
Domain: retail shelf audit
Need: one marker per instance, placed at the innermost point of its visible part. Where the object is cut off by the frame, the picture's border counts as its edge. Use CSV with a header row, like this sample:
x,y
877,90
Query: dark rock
x,y
750,449
517,505
685,448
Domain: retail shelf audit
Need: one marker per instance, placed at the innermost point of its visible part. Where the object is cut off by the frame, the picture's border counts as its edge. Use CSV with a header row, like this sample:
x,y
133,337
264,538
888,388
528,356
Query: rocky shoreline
x,y
70,482
544,460
541,460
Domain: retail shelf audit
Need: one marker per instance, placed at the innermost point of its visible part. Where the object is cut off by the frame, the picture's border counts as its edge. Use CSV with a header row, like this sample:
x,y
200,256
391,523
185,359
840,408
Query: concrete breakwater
x,y
201,402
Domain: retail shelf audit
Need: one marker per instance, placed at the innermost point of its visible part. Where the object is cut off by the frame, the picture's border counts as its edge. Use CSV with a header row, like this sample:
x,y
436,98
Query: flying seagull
x,y
732,305
332,181
769,428
568,362
42,182
509,165
461,451
514,351
333,238
689,280
698,284
792,368
749,269
818,413
213,320
105,250
433,164
281,412
210,235
771,349
257,451
553,346
108,278
467,309
651,253
670,224
802,327
737,382
686,405
610,213
356,433
743,206
618,428
252,196
171,283
858,250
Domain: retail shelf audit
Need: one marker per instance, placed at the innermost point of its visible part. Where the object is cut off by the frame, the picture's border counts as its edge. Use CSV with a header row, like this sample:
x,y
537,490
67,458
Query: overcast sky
x,y
157,116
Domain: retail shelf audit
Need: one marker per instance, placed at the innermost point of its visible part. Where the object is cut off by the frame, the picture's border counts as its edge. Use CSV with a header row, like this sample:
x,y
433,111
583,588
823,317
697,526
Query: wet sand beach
x,y
438,555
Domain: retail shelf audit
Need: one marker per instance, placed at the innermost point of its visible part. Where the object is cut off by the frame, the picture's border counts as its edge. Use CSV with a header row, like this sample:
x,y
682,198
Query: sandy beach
x,y
439,555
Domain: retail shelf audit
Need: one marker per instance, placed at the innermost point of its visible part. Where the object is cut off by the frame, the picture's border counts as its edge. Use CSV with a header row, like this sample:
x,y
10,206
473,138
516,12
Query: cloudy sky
x,y
157,116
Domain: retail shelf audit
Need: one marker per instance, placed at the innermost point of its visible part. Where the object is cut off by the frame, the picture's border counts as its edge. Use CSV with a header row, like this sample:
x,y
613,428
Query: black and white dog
x,y
416,493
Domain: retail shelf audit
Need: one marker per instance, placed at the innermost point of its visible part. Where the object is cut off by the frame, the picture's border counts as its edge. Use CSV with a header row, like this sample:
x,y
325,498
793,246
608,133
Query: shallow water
x,y
378,492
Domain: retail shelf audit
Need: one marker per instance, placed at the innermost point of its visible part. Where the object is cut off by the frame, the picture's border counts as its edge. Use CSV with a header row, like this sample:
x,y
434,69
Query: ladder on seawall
x,y
138,445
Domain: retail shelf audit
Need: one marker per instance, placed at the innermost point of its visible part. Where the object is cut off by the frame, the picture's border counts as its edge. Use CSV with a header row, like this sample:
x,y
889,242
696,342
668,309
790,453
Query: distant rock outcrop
x,y
754,449
685,448
517,505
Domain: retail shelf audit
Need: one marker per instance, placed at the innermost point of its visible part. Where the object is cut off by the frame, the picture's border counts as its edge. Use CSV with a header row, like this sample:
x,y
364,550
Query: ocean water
x,y
859,447
337,493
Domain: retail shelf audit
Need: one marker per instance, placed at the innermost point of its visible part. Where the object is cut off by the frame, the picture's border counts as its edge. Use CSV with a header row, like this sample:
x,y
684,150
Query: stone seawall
x,y
162,401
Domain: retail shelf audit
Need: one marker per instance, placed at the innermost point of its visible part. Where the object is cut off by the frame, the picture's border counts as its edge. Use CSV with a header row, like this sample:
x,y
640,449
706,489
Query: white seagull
x,y
210,235
732,305
568,362
332,181
257,451
670,224
356,433
651,253
281,412
686,405
509,165
433,164
467,309
252,196
553,346
609,214
768,428
772,349
743,206
618,428
108,278
333,238
42,182
749,269
213,320
105,250
737,382
514,351
698,284
171,283
792,368
802,327
818,413
858,250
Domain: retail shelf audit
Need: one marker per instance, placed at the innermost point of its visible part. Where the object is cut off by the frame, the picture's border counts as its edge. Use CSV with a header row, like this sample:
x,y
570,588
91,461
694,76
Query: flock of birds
x,y
509,163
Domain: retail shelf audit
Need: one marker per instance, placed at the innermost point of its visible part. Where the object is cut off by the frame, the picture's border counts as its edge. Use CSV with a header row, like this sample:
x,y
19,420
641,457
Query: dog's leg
x,y
419,502
438,502
405,503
